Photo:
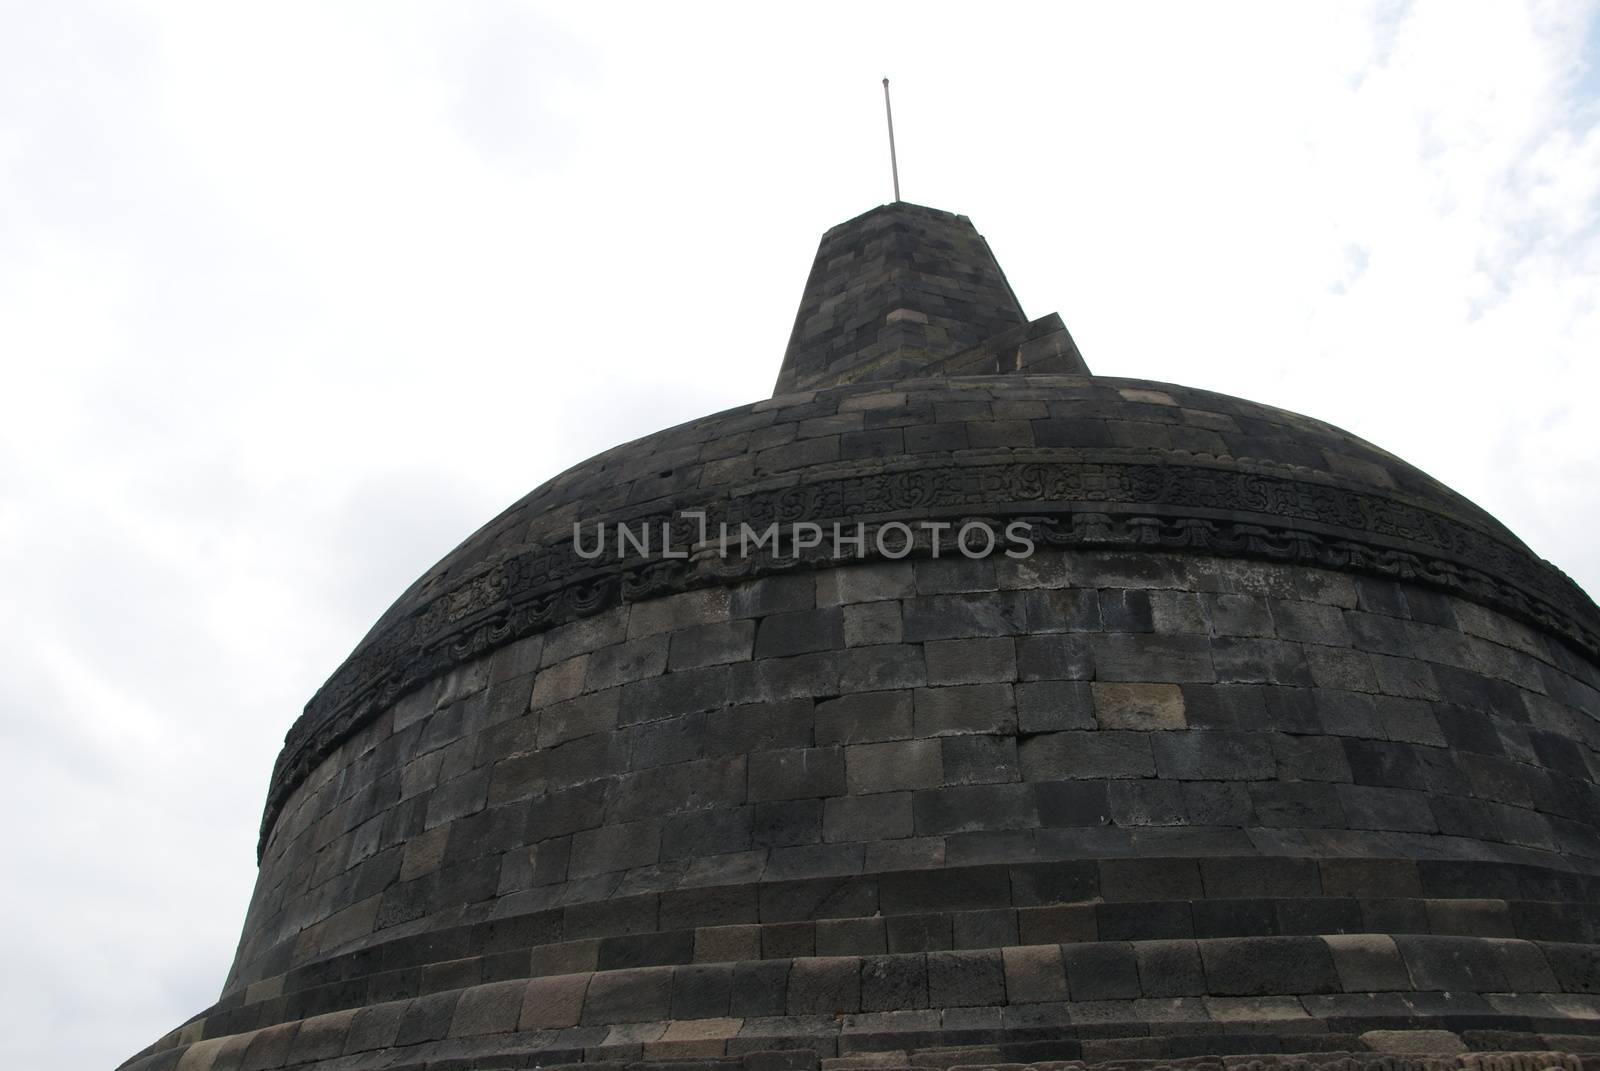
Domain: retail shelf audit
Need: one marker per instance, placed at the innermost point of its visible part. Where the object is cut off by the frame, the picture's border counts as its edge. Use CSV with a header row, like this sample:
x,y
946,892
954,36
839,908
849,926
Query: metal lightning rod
x,y
894,165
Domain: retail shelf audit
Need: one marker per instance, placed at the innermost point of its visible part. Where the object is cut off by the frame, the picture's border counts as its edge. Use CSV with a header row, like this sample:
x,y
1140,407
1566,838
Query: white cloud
x,y
292,298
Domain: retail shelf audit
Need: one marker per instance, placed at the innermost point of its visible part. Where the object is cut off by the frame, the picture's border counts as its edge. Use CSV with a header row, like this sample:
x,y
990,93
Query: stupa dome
x,y
1048,716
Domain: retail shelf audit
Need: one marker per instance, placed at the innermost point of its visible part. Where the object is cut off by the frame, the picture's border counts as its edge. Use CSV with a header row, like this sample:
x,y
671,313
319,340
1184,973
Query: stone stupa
x,y
1236,736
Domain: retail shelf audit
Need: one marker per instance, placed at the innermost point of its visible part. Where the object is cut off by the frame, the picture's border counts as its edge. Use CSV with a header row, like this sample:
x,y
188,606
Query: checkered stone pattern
x,y
912,804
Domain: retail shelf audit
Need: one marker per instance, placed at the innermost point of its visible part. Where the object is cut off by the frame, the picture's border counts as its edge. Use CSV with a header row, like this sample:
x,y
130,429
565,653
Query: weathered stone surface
x,y
1272,746
1138,706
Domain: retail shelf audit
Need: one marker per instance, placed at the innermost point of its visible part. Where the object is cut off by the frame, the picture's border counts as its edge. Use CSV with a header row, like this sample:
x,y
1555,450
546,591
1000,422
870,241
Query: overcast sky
x,y
295,296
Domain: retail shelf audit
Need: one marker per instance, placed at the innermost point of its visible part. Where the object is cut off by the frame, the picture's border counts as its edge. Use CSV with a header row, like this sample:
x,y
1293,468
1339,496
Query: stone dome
x,y
1259,740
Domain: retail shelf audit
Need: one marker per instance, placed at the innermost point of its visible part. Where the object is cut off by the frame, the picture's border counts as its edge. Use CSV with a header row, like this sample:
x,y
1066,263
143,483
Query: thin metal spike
x,y
894,164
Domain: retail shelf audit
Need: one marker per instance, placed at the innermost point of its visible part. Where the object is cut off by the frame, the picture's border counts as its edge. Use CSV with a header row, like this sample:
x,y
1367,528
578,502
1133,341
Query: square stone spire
x,y
905,291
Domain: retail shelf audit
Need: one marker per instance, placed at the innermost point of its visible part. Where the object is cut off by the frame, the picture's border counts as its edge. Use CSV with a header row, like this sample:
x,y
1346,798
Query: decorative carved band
x,y
1106,505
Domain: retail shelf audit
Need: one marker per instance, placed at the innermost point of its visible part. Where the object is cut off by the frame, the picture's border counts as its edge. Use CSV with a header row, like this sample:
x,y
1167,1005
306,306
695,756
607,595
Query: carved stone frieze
x,y
1067,504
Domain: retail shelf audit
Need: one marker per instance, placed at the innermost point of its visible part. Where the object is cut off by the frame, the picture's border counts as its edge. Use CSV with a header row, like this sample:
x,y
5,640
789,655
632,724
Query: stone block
x,y
813,861
760,988
702,833
1101,970
825,985
1452,964
1152,657
675,612
1176,612
800,632
1260,876
712,645
918,933
424,853
748,727
1237,615
684,786
269,1048
865,583
457,798
572,719
641,995
785,823
1264,966
1396,809
1218,803
427,1018
951,889
560,681
1368,963
320,1037
894,766
788,940
950,575
1095,754
619,846
1045,570
1146,803
972,708
1311,758
965,979
954,617
1297,805
1170,969
973,661
376,1026
881,668
1140,707
1062,609
488,1009
624,663
1525,966
714,944
686,691
1213,755
979,760
669,741
1341,667
884,816
865,717
894,983
879,442
969,808
1125,610
1058,881
1034,974
1470,918
1309,622
797,773
1259,661
1378,762
1434,1043
1054,658
851,937
995,928
1235,918
1051,706
1409,678
870,623
773,595
1073,803
1150,879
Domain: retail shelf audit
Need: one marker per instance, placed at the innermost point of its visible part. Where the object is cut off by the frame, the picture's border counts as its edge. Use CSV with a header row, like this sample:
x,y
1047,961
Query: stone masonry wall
x,y
839,734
